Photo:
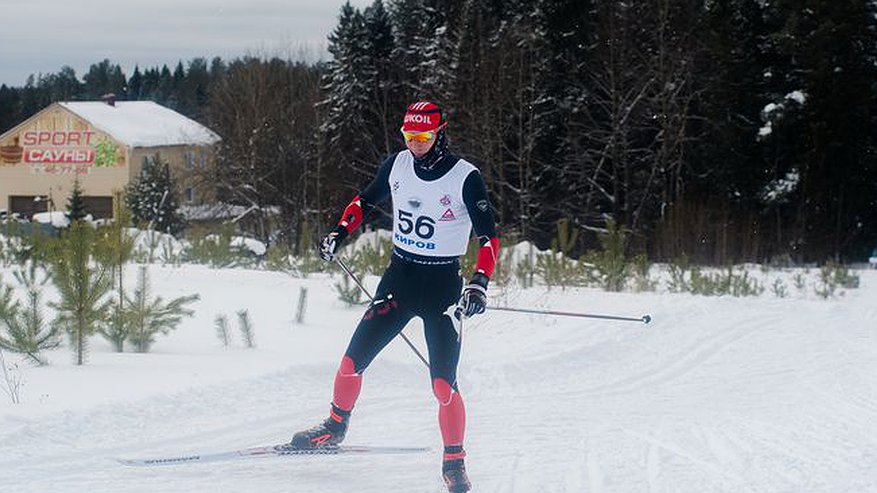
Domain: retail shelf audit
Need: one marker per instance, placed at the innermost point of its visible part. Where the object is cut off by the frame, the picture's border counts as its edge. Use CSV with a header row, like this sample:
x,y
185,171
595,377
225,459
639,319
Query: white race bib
x,y
429,217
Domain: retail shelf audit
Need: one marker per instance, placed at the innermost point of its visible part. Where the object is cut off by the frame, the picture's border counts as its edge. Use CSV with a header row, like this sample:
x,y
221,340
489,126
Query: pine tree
x,y
150,316
26,329
153,200
114,249
82,286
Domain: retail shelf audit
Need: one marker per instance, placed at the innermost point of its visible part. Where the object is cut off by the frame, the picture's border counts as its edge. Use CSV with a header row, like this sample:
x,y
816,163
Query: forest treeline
x,y
718,130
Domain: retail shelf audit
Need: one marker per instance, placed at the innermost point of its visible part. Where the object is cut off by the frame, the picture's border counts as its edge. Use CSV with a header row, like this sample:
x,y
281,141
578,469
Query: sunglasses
x,y
420,136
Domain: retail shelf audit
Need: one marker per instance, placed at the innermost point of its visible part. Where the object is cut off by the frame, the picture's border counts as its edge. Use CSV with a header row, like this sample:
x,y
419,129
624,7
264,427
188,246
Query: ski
x,y
269,451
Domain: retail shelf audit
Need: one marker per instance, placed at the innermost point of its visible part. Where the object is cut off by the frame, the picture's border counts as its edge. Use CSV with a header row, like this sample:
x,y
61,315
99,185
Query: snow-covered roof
x,y
143,123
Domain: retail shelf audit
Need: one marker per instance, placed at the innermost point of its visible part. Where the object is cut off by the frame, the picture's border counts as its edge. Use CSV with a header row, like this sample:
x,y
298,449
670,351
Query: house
x,y
104,144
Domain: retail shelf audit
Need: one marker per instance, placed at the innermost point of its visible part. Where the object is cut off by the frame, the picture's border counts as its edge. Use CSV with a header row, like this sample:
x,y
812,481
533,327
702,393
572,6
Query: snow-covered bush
x,y
833,276
725,282
220,249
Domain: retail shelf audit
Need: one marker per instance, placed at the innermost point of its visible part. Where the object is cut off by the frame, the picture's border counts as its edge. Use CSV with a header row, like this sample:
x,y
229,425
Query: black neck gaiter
x,y
435,154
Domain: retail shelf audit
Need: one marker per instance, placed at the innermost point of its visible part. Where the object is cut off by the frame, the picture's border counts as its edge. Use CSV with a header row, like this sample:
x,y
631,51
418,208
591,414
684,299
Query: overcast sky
x,y
41,36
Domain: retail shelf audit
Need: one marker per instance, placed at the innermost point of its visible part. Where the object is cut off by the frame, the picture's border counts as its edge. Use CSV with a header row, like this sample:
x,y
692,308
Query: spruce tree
x,y
347,95
381,114
135,85
76,203
153,200
102,78
828,50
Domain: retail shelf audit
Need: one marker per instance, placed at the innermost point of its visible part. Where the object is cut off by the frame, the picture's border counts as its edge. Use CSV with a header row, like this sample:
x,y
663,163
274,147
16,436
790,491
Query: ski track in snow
x,y
716,395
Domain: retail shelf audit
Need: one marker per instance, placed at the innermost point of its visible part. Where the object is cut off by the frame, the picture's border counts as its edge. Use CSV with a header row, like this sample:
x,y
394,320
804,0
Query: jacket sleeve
x,y
376,192
483,223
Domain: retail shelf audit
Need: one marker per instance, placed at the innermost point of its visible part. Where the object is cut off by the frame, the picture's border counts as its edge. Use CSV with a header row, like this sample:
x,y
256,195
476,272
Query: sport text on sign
x,y
81,149
58,139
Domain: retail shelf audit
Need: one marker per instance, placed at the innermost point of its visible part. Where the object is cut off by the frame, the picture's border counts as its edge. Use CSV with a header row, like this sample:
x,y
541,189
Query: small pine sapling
x,y
248,334
151,316
29,333
82,286
221,323
12,379
348,292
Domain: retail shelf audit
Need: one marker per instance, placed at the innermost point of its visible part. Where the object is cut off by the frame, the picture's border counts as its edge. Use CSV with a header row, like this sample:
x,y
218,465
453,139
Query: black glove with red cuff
x,y
332,242
474,298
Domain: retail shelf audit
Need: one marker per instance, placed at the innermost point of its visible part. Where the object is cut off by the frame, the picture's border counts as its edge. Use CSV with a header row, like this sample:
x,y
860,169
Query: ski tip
x,y
647,319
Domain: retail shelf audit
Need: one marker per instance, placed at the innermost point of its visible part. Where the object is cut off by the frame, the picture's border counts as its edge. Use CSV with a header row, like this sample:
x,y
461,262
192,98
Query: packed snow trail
x,y
715,395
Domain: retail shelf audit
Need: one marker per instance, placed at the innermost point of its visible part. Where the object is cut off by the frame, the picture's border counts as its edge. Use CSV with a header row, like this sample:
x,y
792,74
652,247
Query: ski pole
x,y
372,299
644,319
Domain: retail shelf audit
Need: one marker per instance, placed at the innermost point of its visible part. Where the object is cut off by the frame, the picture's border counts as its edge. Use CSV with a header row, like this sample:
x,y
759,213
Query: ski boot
x,y
454,470
325,435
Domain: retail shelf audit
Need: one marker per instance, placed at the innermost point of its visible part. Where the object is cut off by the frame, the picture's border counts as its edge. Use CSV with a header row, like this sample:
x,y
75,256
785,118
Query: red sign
x,y
61,148
59,156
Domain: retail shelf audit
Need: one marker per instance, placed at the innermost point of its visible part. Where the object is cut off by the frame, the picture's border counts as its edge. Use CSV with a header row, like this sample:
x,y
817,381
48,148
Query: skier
x,y
437,199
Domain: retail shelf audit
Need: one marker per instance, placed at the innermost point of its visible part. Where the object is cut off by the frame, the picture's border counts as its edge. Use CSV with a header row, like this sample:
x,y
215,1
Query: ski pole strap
x,y
644,319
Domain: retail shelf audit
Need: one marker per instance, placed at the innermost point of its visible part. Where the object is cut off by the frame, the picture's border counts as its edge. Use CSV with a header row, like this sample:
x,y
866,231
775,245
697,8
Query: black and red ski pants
x,y
411,288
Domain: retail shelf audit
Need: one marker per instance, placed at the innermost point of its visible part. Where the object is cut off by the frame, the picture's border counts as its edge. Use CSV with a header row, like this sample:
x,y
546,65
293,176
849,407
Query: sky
x,y
41,36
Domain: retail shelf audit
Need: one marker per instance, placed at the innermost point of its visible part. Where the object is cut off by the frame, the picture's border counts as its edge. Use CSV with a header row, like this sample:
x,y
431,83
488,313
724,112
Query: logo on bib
x,y
448,216
446,200
412,242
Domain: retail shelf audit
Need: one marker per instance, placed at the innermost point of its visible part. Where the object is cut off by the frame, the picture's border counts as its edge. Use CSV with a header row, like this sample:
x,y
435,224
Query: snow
x,y
143,123
717,394
255,247
778,190
57,219
797,96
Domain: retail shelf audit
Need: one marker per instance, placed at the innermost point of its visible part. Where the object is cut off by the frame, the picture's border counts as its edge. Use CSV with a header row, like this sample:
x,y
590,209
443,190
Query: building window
x,y
189,195
203,158
189,157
